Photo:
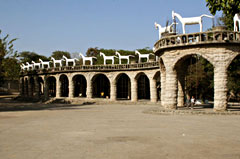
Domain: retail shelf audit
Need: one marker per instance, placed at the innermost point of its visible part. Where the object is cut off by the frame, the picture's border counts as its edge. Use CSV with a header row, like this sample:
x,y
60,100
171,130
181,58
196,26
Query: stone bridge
x,y
218,47
107,82
163,80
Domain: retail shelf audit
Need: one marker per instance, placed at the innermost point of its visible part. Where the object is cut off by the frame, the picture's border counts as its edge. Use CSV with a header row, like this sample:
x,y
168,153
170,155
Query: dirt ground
x,y
115,132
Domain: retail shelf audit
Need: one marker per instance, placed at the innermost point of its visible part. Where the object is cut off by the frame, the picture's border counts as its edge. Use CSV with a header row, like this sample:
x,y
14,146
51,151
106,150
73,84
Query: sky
x,y
44,26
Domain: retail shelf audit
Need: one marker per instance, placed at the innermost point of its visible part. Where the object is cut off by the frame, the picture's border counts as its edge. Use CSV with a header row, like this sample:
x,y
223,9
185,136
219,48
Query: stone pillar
x,y
134,96
89,88
21,87
170,101
45,88
36,92
153,90
163,86
71,87
220,87
58,87
180,95
113,93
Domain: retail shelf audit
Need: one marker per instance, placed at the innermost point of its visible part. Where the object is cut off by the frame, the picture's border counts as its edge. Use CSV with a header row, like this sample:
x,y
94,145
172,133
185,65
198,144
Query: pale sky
x,y
44,26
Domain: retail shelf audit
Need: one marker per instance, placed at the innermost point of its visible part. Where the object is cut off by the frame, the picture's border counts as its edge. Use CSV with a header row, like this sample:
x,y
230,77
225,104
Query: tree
x,y
6,50
28,56
228,7
59,54
92,52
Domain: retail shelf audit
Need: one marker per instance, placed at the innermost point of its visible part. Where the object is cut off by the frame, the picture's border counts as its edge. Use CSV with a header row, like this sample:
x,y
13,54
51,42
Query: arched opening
x,y
158,84
195,80
233,84
32,86
22,88
100,86
80,86
143,86
41,84
123,87
64,86
51,81
26,86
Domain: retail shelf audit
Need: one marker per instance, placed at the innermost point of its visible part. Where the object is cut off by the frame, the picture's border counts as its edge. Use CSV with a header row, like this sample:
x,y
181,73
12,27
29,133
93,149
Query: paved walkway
x,y
115,132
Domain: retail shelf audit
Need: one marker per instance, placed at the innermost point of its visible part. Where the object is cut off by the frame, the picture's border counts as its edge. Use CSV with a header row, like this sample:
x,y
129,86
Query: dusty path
x,y
116,132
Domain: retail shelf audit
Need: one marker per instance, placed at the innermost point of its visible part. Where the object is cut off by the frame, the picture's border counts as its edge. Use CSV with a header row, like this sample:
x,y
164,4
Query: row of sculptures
x,y
191,21
42,64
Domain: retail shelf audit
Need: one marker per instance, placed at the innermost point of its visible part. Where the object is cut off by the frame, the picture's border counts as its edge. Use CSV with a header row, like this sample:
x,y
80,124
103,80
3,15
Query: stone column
x,y
58,87
21,87
36,92
180,95
163,86
134,96
71,87
170,101
220,87
89,88
153,90
45,88
113,93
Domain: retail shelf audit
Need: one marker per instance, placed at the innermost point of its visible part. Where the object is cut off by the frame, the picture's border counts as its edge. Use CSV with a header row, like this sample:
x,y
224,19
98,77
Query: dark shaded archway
x,y
143,86
64,84
26,87
123,86
100,86
32,86
51,81
23,85
80,86
41,84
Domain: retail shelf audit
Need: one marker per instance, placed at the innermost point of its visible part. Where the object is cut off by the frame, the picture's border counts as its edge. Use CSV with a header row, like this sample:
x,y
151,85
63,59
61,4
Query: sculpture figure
x,y
190,21
126,57
36,64
23,67
236,20
70,60
142,56
45,63
164,29
105,58
56,62
29,66
87,59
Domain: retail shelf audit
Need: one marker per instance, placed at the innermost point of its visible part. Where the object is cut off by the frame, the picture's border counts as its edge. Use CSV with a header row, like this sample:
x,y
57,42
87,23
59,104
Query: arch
x,y
26,86
233,72
186,55
22,88
143,86
51,85
123,84
100,86
80,85
157,79
32,86
64,84
193,76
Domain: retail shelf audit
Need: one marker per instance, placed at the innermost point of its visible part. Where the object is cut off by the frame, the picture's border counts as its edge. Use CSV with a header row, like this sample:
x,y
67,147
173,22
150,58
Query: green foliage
x,y
233,79
199,79
27,56
6,50
59,54
228,7
11,68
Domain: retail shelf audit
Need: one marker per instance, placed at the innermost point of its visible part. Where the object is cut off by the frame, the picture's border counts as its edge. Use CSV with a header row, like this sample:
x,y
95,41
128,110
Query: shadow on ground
x,y
11,104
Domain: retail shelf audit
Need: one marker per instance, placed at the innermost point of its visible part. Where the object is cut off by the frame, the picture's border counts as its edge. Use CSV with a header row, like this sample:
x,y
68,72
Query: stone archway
x,y
80,86
100,86
157,80
143,86
51,85
123,84
26,87
22,86
32,86
41,85
64,84
194,79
